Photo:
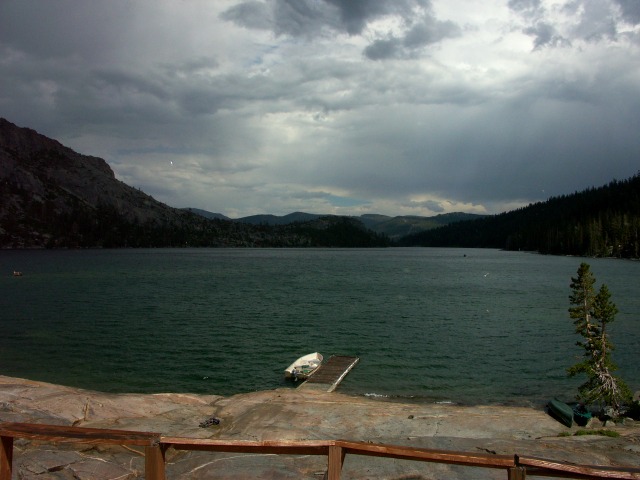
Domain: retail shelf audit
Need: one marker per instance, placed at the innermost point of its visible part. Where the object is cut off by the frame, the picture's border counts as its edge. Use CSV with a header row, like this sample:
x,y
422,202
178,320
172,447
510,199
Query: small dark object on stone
x,y
210,421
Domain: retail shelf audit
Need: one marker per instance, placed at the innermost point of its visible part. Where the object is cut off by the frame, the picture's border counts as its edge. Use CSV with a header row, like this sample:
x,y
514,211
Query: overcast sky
x,y
399,107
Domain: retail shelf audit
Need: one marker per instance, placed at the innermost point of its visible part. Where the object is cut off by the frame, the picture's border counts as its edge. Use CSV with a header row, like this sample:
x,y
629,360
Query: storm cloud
x,y
398,107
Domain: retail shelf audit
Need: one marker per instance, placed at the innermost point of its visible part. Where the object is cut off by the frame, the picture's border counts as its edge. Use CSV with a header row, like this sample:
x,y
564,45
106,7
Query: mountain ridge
x,y
394,227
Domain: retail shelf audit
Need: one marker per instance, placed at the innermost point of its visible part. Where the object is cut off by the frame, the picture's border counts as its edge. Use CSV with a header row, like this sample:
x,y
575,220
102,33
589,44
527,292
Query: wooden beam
x,y
550,468
154,463
517,473
429,455
310,447
6,457
95,436
335,462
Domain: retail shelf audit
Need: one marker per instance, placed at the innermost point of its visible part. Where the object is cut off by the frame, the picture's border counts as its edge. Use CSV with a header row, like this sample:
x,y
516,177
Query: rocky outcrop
x,y
43,184
288,414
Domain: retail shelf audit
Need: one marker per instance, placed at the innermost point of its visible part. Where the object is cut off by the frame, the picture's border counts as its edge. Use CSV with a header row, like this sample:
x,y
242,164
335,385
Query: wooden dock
x,y
329,375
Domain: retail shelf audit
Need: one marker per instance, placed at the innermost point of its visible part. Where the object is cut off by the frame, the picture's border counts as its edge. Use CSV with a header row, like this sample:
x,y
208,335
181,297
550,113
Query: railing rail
x,y
550,468
155,445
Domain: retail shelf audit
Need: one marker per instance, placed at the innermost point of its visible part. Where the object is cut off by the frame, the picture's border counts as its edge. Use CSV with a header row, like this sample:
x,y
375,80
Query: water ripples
x,y
465,326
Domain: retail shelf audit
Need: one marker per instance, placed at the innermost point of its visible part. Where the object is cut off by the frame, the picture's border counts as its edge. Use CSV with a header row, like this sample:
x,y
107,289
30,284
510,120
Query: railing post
x,y
517,473
154,466
6,457
336,458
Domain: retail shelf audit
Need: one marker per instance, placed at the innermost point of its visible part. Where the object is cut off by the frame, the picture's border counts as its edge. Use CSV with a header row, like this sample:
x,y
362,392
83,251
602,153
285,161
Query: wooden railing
x,y
155,445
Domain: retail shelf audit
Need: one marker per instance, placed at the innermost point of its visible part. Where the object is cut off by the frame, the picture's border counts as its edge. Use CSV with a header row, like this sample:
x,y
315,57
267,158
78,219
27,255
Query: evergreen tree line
x,y
598,222
82,226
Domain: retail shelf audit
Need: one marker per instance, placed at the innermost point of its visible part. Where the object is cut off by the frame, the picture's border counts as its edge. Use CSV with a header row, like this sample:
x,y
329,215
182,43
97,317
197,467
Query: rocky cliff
x,y
43,184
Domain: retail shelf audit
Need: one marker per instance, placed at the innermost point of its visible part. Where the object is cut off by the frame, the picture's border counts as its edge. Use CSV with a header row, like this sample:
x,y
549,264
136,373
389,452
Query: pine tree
x,y
583,298
591,313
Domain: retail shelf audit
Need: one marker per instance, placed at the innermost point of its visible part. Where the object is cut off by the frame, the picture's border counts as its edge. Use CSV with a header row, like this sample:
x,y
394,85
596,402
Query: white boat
x,y
303,367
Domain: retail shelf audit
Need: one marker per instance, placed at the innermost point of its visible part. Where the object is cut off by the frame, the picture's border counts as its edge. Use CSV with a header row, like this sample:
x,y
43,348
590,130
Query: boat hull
x,y
303,367
561,412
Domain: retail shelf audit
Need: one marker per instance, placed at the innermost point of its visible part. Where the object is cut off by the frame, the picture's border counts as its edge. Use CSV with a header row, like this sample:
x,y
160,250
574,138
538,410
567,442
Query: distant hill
x,y
602,221
205,214
51,196
397,227
392,227
276,220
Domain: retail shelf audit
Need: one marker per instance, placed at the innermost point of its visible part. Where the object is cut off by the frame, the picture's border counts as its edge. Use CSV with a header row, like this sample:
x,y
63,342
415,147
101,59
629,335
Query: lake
x,y
429,324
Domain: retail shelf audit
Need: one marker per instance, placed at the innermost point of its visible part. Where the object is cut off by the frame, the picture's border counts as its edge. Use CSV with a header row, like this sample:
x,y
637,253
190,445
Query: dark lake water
x,y
460,325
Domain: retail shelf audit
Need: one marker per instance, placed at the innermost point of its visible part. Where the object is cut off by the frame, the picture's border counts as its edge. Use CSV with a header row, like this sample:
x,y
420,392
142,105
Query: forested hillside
x,y
392,227
602,221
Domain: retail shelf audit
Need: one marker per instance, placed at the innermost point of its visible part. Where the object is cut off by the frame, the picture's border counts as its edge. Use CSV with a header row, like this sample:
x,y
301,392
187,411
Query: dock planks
x,y
329,375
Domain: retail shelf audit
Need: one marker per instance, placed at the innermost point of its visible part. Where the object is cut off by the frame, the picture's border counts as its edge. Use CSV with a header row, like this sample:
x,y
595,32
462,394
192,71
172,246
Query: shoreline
x,y
535,404
295,415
